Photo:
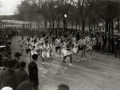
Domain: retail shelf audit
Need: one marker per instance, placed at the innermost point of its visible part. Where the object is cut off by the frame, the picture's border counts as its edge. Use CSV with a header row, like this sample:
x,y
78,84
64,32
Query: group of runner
x,y
64,47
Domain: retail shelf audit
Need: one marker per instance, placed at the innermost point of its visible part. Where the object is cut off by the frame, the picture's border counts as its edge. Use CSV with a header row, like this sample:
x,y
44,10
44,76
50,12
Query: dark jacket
x,y
33,73
21,75
8,79
1,64
18,65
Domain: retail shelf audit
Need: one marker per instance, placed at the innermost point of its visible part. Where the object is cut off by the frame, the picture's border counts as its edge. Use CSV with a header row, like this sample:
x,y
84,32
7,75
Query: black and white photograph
x,y
59,44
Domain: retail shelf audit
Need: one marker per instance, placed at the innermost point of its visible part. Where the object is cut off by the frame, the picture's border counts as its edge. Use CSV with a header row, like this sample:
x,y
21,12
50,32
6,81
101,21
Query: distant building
x,y
20,24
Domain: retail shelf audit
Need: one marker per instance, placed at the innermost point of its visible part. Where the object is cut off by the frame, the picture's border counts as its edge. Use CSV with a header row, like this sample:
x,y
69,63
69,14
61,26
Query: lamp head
x,y
65,15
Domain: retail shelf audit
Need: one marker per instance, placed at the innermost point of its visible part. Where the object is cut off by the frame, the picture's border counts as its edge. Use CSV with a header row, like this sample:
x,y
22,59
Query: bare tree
x,y
107,10
82,7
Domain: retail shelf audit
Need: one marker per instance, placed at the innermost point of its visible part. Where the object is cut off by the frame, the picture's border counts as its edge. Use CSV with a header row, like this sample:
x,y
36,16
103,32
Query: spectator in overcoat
x,y
21,74
33,71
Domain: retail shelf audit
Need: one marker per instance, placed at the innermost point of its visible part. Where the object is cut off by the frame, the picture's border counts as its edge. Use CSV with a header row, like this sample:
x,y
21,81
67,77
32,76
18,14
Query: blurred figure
x,y
0,60
17,57
112,45
21,44
57,45
116,43
108,43
102,44
4,68
33,71
67,52
2,52
21,74
63,87
119,46
8,78
6,88
26,85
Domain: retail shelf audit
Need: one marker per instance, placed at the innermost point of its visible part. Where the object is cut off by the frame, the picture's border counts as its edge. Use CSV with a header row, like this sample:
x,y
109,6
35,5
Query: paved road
x,y
102,72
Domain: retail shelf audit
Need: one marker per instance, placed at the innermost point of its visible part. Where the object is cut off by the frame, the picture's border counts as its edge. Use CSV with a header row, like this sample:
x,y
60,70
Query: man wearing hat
x,y
33,71
17,57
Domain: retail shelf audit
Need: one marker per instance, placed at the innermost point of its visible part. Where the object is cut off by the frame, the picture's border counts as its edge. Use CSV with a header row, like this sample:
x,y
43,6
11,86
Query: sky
x,y
8,7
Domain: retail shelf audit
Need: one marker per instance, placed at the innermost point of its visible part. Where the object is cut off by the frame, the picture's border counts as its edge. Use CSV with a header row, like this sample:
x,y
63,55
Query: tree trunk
x,y
72,24
118,26
50,24
94,26
22,33
64,23
76,25
45,23
89,24
112,27
38,24
30,25
53,24
58,25
79,25
106,28
83,26
109,28
97,24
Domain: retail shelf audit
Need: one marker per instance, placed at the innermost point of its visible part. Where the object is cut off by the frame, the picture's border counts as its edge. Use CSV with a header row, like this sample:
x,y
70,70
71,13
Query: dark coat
x,y
21,75
1,64
8,79
18,65
33,73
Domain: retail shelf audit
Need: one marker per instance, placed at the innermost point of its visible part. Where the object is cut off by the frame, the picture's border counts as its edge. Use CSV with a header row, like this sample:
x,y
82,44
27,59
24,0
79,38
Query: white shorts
x,y
34,52
48,54
75,50
89,48
66,52
45,54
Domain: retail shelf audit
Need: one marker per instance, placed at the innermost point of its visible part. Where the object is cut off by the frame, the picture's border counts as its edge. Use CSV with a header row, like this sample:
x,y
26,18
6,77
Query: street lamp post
x,y
64,21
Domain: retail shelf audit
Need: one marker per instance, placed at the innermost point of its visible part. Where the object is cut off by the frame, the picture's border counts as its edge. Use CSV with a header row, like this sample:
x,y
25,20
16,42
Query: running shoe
x,y
82,59
42,63
90,57
78,60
